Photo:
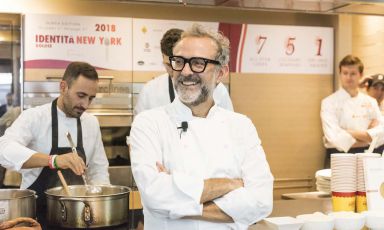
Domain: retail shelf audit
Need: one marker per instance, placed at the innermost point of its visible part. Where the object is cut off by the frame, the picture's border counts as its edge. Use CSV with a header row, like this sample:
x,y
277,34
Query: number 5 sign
x,y
285,49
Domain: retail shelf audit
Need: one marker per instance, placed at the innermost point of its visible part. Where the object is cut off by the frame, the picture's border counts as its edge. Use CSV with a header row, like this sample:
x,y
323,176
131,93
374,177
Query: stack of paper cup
x,y
343,181
361,198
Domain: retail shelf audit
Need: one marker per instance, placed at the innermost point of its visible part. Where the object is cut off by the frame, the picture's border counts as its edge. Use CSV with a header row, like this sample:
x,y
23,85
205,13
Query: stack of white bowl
x,y
316,221
348,220
343,166
323,180
374,220
360,169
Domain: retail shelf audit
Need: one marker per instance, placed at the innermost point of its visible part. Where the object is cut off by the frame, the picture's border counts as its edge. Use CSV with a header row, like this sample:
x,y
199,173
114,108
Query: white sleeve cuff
x,y
376,132
234,211
190,185
243,211
344,142
188,209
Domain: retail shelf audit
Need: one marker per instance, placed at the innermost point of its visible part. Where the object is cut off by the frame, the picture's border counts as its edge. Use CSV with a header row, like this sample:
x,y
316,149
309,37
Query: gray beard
x,y
201,98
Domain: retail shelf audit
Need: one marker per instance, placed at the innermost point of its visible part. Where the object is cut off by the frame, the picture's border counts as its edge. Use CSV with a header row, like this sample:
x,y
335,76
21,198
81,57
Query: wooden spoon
x,y
64,183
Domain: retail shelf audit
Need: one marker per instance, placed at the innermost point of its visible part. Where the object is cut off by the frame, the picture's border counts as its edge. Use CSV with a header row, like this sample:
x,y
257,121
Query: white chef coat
x,y
340,112
223,145
32,132
155,93
381,107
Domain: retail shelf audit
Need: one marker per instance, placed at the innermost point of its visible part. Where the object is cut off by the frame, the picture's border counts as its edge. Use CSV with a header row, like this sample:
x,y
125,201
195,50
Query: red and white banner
x,y
52,41
126,44
285,49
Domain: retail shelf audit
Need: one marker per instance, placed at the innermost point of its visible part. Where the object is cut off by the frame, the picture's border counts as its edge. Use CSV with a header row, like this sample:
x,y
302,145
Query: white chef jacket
x,y
225,144
381,107
340,112
155,93
32,132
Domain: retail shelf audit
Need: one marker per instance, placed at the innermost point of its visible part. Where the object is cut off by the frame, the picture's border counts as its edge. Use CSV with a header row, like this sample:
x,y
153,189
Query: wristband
x,y
50,161
54,162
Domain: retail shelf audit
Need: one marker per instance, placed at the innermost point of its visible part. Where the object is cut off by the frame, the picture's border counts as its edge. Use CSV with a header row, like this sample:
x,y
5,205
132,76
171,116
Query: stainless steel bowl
x,y
81,209
17,203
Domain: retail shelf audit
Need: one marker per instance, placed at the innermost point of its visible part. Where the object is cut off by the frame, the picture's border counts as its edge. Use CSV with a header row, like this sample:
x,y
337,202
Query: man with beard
x,y
36,143
159,91
193,167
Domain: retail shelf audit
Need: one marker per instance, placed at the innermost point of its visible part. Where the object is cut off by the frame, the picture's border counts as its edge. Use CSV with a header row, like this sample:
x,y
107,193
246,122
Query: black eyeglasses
x,y
197,64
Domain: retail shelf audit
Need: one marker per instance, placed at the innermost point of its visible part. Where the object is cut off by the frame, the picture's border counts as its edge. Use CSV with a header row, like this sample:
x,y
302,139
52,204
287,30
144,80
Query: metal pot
x,y
17,203
107,208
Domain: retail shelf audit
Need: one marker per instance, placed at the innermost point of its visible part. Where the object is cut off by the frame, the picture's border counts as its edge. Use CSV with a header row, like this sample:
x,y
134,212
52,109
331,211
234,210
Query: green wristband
x,y
55,164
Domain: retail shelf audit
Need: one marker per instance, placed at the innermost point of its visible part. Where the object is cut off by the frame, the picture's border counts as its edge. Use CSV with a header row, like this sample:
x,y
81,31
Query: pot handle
x,y
63,211
87,211
87,214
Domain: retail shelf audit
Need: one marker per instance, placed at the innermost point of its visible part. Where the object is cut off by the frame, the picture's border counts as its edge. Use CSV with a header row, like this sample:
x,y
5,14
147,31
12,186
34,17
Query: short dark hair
x,y
352,60
75,69
169,40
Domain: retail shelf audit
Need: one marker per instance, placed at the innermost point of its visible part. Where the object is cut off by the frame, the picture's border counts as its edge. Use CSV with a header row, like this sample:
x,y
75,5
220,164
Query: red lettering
x,y
116,41
85,40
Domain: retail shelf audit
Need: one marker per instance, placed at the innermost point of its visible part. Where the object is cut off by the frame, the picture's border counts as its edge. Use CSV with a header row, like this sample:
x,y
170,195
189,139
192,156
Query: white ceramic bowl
x,y
374,220
283,223
316,221
348,220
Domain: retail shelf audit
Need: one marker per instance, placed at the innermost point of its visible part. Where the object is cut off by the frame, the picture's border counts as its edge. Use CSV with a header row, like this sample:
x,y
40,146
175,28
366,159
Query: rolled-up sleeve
x,y
13,152
333,133
254,201
168,195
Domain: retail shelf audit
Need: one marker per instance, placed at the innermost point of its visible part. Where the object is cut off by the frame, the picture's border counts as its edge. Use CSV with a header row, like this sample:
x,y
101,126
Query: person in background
x,y
5,107
9,112
374,87
6,119
36,144
193,167
159,91
351,119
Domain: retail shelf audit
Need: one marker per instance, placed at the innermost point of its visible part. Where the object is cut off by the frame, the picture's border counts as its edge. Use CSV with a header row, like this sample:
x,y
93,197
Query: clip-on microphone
x,y
183,127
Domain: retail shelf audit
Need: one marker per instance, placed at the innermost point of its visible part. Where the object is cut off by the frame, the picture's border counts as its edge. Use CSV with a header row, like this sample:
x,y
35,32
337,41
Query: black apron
x,y
48,178
170,89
